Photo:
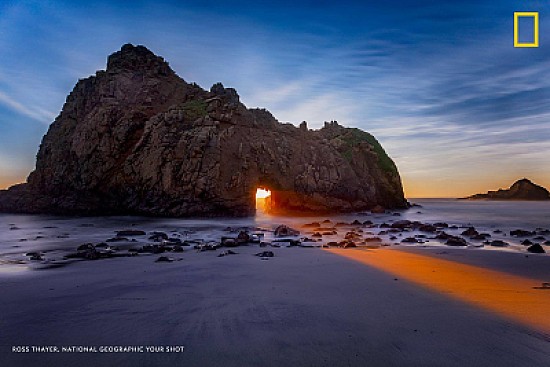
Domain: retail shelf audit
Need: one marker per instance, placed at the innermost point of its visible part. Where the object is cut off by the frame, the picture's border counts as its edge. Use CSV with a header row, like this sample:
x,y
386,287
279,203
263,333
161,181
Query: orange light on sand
x,y
510,295
262,193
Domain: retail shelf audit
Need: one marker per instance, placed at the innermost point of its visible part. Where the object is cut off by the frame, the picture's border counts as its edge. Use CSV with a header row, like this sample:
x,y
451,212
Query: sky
x,y
438,83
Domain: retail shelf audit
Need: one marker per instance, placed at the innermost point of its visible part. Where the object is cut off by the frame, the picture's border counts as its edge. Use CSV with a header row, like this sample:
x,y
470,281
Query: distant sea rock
x,y
137,139
522,189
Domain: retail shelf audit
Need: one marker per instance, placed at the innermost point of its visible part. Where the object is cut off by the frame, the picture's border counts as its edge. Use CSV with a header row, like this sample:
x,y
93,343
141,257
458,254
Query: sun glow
x,y
262,193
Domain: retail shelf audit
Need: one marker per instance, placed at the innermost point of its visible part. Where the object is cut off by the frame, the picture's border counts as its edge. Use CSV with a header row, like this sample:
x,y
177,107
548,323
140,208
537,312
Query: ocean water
x,y
57,236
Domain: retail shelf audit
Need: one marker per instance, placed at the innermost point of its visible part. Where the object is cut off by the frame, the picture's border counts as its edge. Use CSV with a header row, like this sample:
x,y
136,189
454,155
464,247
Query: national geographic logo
x,y
526,14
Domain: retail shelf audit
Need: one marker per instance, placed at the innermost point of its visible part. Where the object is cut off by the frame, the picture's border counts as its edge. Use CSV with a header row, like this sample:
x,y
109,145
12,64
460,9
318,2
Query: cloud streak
x,y
34,113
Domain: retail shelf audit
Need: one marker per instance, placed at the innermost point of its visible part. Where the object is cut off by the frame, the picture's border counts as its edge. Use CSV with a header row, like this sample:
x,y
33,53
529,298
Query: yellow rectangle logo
x,y
535,16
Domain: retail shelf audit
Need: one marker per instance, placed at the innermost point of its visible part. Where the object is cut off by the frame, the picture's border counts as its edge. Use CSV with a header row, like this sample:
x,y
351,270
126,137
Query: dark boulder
x,y
284,230
456,241
499,243
470,232
522,233
243,237
130,233
536,249
158,236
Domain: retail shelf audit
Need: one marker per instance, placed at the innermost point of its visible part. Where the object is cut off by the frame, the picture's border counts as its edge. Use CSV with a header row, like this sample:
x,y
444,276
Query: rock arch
x,y
138,139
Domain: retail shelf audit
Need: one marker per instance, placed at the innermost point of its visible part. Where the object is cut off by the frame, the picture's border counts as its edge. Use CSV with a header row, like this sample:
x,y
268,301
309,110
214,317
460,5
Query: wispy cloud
x,y
35,113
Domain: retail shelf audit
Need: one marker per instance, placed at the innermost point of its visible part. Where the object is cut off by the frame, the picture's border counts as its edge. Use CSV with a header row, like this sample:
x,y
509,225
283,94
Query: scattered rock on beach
x,y
226,253
103,247
373,239
347,244
130,233
312,225
34,256
427,228
443,236
456,241
536,249
86,247
352,236
117,239
498,243
210,246
284,230
243,237
86,251
400,224
158,236
265,254
255,238
154,249
229,241
470,232
521,233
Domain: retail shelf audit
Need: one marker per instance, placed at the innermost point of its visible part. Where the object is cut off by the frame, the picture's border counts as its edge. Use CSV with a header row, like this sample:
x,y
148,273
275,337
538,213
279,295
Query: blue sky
x,y
437,82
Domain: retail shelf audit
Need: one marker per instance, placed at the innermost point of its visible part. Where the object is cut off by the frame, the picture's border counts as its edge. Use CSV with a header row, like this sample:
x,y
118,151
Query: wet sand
x,y
303,307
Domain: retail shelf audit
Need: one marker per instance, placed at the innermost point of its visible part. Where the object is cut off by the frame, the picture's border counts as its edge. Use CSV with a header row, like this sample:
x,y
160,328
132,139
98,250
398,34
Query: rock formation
x,y
138,139
522,189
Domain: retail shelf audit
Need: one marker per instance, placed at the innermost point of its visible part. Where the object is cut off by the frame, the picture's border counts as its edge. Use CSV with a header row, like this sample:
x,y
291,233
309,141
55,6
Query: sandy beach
x,y
303,307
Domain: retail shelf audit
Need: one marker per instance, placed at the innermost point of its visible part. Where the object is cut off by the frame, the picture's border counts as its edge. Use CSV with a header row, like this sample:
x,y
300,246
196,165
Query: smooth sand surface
x,y
304,307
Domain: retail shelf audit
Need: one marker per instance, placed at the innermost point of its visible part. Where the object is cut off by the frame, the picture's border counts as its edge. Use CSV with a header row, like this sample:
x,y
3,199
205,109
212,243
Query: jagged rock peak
x,y
137,58
229,94
524,182
331,125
